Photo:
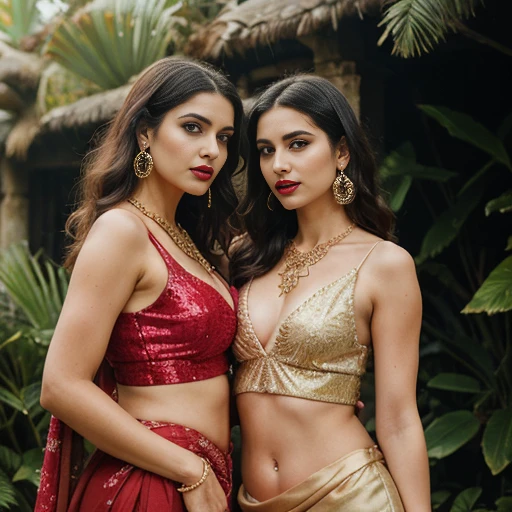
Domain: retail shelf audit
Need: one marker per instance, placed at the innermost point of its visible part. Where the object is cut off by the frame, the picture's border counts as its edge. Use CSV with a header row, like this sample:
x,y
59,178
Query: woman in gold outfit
x,y
322,283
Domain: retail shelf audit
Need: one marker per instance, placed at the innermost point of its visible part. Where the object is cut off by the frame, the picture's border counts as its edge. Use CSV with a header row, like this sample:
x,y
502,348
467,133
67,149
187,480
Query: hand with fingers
x,y
206,494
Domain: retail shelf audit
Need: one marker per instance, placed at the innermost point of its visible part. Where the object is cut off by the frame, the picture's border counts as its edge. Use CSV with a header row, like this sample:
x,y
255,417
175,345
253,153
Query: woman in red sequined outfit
x,y
147,301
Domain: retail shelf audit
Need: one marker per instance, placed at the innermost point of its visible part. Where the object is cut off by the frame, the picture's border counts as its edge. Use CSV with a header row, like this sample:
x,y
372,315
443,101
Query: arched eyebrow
x,y
205,120
286,137
296,133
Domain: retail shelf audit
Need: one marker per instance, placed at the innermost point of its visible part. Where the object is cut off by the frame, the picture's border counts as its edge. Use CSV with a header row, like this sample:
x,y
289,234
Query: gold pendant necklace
x,y
296,263
178,235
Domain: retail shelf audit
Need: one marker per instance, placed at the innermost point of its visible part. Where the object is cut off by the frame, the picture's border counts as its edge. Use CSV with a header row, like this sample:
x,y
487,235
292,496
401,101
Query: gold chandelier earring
x,y
343,188
209,198
143,163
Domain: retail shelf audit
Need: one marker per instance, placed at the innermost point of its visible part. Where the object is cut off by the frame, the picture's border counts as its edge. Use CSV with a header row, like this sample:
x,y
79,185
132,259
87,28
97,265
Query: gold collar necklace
x,y
297,263
178,235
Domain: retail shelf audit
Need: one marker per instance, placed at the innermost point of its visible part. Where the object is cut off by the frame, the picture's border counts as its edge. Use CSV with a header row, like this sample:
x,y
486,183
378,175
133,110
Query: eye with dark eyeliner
x,y
265,150
192,127
298,144
224,137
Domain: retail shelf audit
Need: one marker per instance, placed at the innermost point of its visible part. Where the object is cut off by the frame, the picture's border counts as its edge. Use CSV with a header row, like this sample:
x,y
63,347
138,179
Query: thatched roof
x,y
21,135
86,113
19,70
263,22
92,110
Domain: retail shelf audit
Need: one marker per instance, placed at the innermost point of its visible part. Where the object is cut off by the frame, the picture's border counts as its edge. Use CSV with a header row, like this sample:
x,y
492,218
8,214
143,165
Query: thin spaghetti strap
x,y
368,254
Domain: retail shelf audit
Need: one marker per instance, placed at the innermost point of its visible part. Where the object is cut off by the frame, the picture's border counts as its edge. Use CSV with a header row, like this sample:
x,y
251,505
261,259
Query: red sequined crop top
x,y
182,337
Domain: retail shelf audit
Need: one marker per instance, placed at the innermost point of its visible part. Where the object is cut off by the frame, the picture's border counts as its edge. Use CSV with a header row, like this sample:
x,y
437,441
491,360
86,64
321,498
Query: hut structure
x,y
256,42
19,79
40,156
259,41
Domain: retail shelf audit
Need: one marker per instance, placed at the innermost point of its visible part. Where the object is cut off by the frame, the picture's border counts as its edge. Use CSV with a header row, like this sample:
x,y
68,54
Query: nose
x,y
279,164
210,149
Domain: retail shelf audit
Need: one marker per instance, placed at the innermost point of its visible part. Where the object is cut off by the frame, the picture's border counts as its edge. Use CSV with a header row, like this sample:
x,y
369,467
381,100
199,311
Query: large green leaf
x,y
18,18
10,461
466,499
497,440
464,127
402,162
439,497
502,204
504,504
109,41
399,169
454,382
31,395
29,470
495,294
447,226
448,433
398,190
12,400
7,492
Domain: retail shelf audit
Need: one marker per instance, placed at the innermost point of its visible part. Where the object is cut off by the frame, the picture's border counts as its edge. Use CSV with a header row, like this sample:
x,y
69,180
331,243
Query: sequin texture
x,y
316,354
182,337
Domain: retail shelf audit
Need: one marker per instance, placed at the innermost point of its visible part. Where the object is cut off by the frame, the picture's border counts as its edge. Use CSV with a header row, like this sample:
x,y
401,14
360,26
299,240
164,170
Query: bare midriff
x,y
286,439
201,405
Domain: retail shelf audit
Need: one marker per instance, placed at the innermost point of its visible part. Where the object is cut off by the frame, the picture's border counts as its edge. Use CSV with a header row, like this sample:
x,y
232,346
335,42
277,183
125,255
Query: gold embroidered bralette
x,y
316,354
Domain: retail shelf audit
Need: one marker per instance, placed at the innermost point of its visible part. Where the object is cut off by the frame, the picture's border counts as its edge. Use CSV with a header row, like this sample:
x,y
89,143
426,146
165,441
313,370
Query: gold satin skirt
x,y
358,482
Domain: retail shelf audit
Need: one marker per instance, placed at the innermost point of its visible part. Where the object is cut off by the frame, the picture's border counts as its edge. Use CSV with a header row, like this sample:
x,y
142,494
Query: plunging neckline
x,y
198,279
279,327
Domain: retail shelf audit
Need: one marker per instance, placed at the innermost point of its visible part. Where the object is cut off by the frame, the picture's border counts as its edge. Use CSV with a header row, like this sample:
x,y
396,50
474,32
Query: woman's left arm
x,y
395,329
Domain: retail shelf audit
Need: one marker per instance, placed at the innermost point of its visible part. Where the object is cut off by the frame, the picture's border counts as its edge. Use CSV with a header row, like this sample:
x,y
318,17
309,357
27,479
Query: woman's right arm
x,y
107,270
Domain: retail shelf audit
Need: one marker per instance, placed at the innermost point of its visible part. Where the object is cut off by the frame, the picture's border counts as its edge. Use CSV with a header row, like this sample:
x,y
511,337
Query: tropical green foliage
x,y
28,314
466,368
417,26
18,18
109,41
59,86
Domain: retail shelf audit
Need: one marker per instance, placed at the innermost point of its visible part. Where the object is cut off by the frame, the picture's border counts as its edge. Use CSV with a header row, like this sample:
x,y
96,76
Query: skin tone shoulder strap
x,y
368,254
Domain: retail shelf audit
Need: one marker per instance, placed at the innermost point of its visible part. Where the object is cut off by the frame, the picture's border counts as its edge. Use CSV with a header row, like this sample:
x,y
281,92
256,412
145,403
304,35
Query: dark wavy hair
x,y
108,177
268,231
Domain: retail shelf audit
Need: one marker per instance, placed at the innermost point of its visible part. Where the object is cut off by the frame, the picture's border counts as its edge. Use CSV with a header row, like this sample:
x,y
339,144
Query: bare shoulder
x,y
115,234
119,227
391,257
391,263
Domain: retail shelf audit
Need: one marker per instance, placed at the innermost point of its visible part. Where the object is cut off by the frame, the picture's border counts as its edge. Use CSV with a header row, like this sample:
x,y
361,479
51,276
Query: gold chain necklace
x,y
297,263
178,235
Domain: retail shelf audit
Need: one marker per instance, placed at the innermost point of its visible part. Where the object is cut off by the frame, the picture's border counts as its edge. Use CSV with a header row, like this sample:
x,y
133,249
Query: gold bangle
x,y
204,476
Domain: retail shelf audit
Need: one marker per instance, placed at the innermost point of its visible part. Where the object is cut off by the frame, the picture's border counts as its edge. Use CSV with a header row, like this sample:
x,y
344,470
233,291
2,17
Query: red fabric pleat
x,y
110,484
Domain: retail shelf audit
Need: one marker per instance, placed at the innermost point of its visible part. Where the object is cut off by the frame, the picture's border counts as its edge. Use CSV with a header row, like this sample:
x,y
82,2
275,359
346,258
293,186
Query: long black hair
x,y
268,232
108,178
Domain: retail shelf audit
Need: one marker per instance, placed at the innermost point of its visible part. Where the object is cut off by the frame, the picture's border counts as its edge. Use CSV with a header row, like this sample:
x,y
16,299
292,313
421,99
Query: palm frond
x,y
417,26
108,41
18,18
33,286
7,491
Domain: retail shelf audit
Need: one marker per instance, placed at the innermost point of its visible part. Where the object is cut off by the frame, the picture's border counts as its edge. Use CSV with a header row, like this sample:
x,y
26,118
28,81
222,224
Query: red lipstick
x,y
203,172
287,186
